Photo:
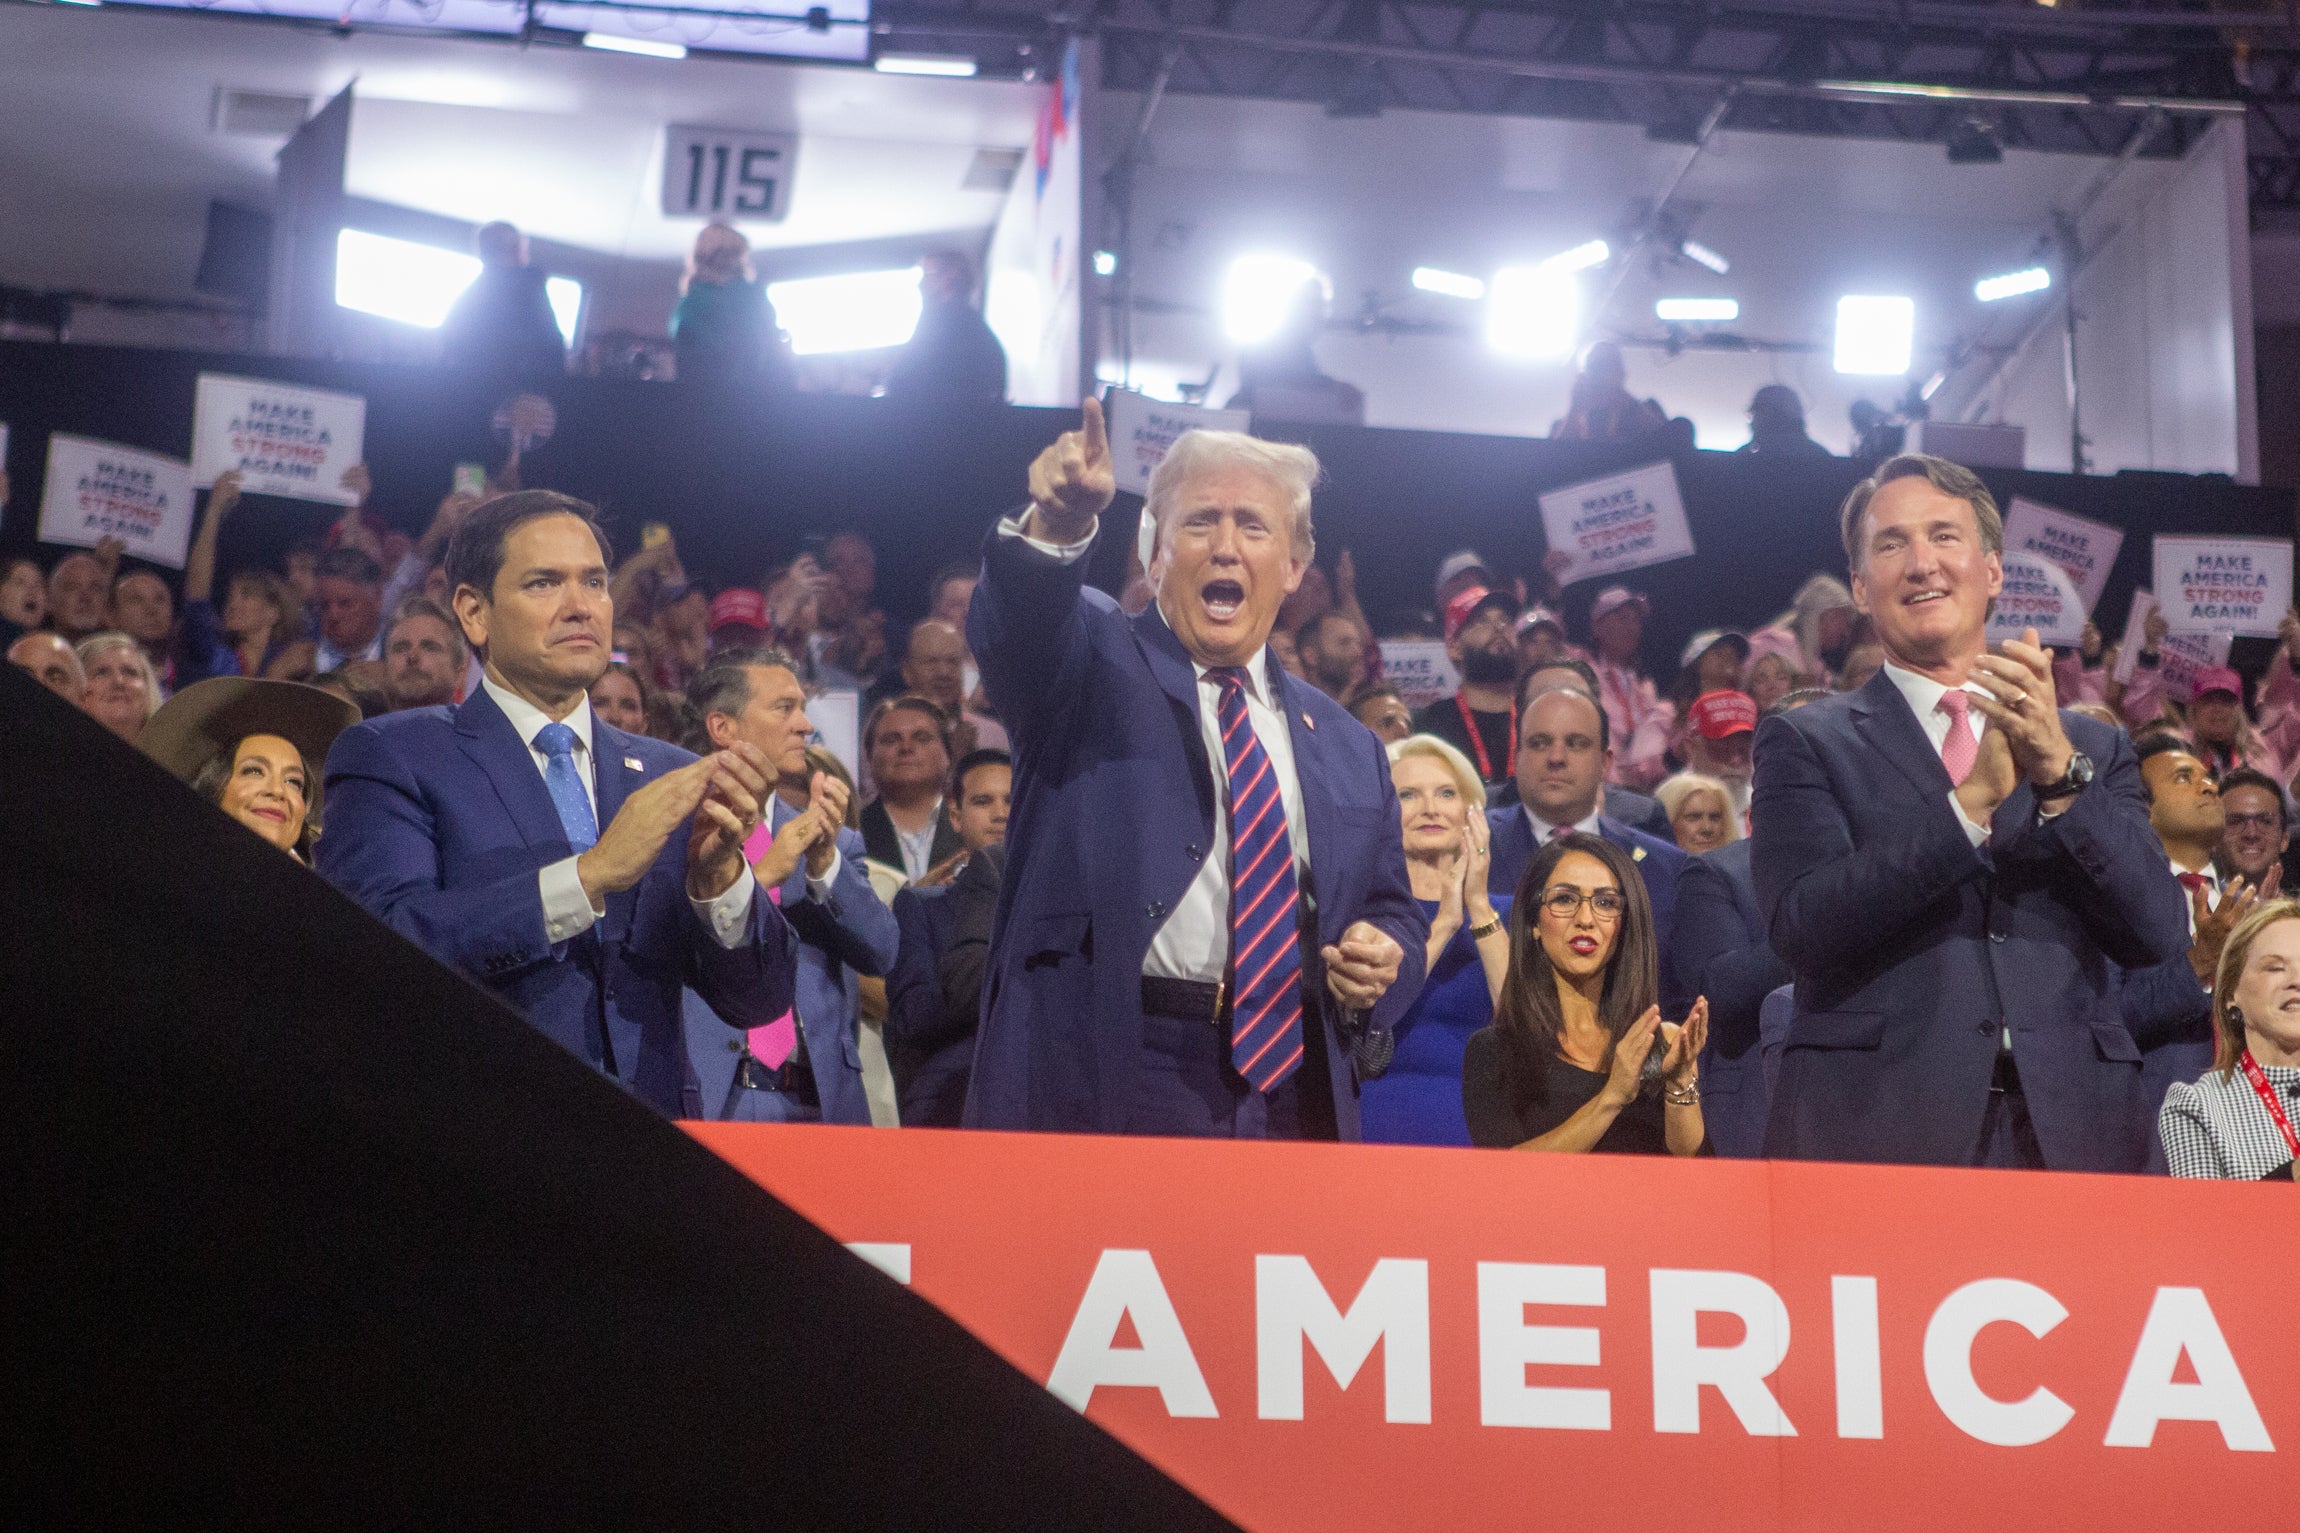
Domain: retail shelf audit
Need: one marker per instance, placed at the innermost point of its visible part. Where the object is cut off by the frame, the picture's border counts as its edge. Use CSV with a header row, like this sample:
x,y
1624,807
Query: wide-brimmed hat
x,y
213,716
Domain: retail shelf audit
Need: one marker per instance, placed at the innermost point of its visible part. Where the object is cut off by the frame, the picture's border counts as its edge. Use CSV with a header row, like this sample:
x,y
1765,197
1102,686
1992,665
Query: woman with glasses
x,y
1417,1100
1578,1059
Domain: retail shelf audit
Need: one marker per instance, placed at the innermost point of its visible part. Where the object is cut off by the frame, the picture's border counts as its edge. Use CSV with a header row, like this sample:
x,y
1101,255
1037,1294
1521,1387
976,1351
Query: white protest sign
x,y
2037,594
2181,655
2085,548
1420,669
837,717
2224,585
282,439
1622,522
98,490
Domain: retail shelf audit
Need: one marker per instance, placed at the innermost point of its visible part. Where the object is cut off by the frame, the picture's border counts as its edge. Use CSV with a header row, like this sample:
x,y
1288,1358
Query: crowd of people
x,y
1850,884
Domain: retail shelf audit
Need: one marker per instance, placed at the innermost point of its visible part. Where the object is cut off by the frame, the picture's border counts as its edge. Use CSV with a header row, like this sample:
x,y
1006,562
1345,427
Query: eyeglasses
x,y
1565,901
2262,821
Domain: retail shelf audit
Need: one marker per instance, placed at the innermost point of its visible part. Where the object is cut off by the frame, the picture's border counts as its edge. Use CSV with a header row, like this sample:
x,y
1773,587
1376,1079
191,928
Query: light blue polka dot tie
x,y
576,817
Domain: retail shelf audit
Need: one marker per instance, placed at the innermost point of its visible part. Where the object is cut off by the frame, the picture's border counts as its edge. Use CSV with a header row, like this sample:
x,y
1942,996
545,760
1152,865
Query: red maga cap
x,y
1718,714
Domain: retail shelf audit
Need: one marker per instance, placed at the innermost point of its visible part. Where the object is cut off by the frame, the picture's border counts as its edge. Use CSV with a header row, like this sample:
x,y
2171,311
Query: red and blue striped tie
x,y
1265,963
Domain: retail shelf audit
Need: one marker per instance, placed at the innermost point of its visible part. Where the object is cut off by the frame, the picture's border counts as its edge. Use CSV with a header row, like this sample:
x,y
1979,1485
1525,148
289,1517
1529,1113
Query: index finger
x,y
1097,438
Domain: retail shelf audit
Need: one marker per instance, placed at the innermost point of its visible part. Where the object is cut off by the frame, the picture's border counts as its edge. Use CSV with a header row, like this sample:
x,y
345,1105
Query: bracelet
x,y
1488,928
1689,1097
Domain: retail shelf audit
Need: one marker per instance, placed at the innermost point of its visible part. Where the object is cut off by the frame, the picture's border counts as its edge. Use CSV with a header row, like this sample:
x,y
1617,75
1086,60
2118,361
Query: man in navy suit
x,y
1205,911
1564,751
809,1070
582,874
934,994
1719,952
1953,868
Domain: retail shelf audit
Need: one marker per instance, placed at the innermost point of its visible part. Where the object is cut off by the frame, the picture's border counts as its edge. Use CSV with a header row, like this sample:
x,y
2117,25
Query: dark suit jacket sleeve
x,y
1823,899
974,902
851,924
1027,633
1713,956
2161,1003
913,996
381,848
2110,861
1390,903
756,980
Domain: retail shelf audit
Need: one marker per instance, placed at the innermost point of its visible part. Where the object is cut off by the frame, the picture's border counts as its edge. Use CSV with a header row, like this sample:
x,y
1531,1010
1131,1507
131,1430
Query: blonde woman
x,y
724,327
1700,812
2236,1122
122,691
1442,802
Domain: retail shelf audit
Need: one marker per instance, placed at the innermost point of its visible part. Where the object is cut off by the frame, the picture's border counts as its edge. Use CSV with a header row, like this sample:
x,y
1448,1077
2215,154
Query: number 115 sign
x,y
728,173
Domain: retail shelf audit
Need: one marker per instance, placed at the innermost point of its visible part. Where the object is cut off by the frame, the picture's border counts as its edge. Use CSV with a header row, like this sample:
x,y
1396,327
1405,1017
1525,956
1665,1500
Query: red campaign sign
x,y
1317,1337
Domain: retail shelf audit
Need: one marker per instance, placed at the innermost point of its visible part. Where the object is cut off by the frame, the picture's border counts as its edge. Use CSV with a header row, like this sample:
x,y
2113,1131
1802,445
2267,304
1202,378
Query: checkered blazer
x,y
2217,1126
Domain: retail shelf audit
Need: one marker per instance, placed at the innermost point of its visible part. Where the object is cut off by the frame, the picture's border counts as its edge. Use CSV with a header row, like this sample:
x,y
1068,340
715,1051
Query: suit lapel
x,y
495,747
1886,721
1318,812
1170,665
613,782
781,814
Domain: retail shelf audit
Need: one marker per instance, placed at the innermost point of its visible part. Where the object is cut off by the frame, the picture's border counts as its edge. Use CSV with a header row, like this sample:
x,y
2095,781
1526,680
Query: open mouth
x,y
1223,599
1925,598
1584,946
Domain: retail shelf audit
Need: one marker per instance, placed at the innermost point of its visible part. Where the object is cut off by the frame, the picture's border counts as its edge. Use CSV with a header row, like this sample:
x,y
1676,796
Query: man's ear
x,y
471,614
720,728
1860,594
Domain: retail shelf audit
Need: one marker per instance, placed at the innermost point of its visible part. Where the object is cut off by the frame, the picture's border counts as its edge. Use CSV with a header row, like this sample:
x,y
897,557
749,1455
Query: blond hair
x,y
2227,1022
1675,790
721,254
1464,775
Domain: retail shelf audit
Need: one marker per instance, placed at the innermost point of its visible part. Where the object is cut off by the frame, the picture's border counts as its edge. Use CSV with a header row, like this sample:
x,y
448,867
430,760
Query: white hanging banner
x,y
282,439
97,490
2085,548
1621,522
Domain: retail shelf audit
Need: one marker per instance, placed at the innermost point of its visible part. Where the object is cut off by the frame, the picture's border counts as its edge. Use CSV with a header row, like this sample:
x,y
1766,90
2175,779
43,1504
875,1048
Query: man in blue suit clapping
x,y
1205,914
581,873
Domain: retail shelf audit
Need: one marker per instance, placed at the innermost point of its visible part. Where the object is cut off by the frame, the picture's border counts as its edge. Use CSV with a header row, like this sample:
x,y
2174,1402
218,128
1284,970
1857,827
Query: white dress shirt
x,y
567,910
917,845
2211,891
1924,695
1543,830
1194,941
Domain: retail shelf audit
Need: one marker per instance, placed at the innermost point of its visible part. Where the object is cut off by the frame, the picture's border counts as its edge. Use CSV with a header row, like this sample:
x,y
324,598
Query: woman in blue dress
x,y
1442,800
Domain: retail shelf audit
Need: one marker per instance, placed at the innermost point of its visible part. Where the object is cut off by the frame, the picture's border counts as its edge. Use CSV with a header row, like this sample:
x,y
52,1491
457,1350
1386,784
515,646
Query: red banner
x,y
1318,1337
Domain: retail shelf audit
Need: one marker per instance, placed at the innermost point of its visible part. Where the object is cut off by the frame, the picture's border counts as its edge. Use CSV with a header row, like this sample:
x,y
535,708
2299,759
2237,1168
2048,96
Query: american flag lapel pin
x,y
634,763
1308,722
1637,854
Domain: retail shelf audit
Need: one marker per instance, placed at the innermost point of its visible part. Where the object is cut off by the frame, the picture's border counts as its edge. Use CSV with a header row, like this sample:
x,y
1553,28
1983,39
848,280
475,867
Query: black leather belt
x,y
2007,1076
794,1077
1190,1000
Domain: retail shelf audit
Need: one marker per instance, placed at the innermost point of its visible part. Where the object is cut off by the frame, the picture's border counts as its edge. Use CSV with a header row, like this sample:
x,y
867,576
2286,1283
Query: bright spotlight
x,y
1534,311
1702,255
1105,263
565,295
1875,335
859,311
1259,292
1697,311
2012,284
1451,284
955,66
399,279
646,47
1582,257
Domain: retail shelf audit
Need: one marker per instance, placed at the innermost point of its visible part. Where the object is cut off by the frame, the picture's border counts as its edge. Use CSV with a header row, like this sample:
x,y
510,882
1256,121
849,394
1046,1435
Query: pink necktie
x,y
1962,748
772,1044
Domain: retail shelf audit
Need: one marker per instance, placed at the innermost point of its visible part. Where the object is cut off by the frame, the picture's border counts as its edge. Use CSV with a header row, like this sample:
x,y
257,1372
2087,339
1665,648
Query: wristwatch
x,y
2078,775
1485,929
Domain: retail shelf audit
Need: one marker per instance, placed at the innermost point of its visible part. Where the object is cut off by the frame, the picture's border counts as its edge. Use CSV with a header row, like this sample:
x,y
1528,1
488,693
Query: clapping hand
x,y
1072,482
733,799
2237,900
1627,1075
2020,701
1681,1064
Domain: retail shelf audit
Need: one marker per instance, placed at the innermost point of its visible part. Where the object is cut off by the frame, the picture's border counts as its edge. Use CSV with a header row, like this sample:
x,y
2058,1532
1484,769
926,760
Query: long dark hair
x,y
1529,1016
209,783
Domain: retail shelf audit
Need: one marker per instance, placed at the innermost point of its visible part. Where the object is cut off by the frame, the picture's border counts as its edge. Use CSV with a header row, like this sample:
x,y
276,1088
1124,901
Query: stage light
x,y
1702,255
81,2
645,47
2012,284
1582,257
1259,292
955,66
1696,311
1534,311
399,279
859,311
1875,335
1105,263
1452,284
1933,385
565,295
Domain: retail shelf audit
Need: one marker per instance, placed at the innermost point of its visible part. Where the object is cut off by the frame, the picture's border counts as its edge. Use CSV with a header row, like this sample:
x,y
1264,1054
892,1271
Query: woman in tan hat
x,y
254,749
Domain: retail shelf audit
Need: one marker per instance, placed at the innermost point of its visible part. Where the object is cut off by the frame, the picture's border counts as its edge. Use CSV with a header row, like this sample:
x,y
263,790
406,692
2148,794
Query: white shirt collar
x,y
1257,676
527,720
2211,873
1542,829
1925,694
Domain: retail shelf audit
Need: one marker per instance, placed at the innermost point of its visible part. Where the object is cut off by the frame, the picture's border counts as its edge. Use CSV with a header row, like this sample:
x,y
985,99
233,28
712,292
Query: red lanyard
x,y
1477,736
2267,1095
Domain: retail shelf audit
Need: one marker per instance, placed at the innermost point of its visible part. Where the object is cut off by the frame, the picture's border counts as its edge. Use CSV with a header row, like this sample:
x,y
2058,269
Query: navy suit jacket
x,y
1113,815
845,936
1659,861
2170,1017
438,824
1719,952
929,1047
1912,949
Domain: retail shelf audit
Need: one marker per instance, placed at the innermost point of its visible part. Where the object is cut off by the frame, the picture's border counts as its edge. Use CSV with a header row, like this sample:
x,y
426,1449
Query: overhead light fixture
x,y
1582,257
399,279
646,47
956,66
2012,284
1974,142
1451,284
1933,385
1105,263
1701,255
565,295
1875,336
81,2
858,311
1697,311
1259,293
1534,311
